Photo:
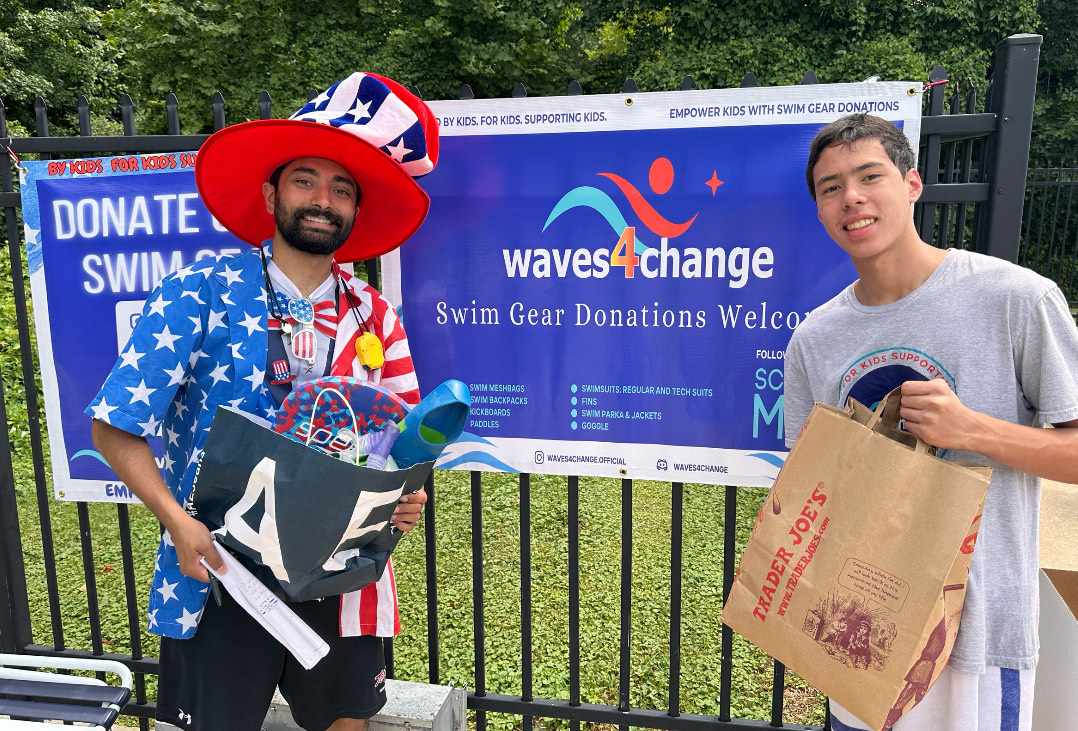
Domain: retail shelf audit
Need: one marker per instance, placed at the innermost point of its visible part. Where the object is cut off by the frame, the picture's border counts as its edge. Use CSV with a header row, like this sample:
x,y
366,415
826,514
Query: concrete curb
x,y
412,706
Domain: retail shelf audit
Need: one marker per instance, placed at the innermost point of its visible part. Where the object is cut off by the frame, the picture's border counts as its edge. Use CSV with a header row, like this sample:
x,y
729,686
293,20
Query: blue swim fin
x,y
433,424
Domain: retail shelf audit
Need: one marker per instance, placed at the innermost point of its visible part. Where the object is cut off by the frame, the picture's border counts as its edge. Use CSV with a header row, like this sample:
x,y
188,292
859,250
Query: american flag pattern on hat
x,y
364,106
282,373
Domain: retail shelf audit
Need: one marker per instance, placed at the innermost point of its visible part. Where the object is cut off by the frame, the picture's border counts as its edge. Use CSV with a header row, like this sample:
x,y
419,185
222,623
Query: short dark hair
x,y
275,180
854,127
275,176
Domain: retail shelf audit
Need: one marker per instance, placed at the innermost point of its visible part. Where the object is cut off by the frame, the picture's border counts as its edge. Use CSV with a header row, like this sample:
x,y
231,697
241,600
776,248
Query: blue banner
x,y
616,278
100,235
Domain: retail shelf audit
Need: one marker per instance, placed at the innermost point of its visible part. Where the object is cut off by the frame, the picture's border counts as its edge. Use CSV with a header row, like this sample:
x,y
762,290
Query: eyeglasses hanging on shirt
x,y
303,318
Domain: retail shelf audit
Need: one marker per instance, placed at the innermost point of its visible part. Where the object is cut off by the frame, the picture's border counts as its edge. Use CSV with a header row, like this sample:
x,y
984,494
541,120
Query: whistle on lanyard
x,y
369,350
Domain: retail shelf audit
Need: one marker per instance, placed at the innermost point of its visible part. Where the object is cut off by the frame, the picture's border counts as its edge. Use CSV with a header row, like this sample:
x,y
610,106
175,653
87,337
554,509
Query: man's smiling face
x,y
314,205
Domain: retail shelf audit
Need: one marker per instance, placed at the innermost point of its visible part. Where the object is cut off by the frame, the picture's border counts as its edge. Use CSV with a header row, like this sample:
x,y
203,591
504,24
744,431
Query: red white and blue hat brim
x,y
234,162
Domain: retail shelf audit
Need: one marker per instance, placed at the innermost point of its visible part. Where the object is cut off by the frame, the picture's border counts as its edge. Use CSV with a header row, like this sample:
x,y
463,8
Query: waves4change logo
x,y
630,256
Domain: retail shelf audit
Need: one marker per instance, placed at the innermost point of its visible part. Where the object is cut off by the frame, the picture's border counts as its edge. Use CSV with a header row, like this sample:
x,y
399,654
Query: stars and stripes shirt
x,y
201,343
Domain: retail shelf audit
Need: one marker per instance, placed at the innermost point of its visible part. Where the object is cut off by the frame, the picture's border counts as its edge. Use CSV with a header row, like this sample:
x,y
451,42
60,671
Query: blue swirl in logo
x,y
595,199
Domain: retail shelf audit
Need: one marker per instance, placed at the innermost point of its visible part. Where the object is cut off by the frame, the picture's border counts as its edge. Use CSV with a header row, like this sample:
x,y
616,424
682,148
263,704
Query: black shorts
x,y
223,678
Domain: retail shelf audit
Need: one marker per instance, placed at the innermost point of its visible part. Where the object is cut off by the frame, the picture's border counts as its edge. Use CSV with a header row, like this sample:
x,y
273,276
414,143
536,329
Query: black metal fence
x,y
973,160
1050,224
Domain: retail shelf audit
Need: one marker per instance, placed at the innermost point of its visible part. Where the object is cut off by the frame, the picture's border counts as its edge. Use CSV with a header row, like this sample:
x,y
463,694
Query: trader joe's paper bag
x,y
856,569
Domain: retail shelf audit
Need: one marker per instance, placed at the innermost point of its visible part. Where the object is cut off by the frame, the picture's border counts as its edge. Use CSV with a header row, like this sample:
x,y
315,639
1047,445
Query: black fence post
x,y
14,606
1014,80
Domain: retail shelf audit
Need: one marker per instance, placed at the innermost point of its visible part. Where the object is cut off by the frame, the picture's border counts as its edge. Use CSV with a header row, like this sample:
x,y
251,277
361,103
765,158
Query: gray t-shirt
x,y
1003,338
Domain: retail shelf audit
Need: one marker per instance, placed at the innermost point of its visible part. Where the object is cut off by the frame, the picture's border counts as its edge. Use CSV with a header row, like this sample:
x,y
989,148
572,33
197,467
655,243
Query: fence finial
x,y
127,114
41,116
172,113
83,106
265,105
217,103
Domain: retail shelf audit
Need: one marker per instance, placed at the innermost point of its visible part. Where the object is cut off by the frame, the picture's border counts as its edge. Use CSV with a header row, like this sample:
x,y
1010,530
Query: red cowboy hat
x,y
372,126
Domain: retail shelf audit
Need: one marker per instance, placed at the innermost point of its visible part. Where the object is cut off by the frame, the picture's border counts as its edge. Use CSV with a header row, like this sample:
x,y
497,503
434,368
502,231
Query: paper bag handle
x,y
887,412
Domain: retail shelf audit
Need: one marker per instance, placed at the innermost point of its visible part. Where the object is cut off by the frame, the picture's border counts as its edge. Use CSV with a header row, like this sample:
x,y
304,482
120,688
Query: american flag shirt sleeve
x,y
199,344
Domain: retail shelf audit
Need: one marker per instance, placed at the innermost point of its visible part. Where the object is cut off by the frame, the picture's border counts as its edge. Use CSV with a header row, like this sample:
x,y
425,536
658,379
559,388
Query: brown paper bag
x,y
855,571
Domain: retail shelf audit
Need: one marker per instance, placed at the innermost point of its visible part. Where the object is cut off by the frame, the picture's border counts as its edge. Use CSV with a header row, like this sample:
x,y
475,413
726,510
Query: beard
x,y
290,223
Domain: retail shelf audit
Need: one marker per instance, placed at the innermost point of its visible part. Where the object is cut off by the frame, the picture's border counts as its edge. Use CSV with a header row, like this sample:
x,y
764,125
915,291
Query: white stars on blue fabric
x,y
398,151
217,319
231,276
157,307
167,590
219,372
131,357
193,294
182,362
257,378
360,111
166,339
188,620
195,355
175,374
253,324
102,410
140,392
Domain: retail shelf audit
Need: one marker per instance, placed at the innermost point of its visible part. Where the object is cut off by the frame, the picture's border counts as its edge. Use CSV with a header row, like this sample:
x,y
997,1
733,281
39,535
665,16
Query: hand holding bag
x,y
855,571
304,522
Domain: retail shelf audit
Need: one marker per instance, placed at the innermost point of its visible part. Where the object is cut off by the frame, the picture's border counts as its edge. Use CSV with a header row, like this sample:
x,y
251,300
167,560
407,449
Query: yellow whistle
x,y
369,351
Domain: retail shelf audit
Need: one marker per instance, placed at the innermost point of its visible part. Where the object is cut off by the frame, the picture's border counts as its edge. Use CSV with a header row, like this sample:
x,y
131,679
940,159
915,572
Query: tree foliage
x,y
779,40
239,47
193,48
56,51
1055,132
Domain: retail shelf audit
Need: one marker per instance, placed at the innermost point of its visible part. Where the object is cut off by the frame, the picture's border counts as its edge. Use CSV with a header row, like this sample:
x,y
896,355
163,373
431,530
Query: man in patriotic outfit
x,y
334,183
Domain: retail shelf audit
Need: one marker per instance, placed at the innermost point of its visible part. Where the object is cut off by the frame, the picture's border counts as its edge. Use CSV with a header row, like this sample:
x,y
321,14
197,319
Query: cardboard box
x,y
1055,694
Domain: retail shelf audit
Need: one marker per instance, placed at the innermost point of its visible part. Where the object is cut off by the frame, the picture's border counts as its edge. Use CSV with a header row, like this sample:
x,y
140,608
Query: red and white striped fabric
x,y
373,609
397,373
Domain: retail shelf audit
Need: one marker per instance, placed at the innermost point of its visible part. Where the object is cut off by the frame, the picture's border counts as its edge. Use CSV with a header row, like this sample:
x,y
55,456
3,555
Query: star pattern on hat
x,y
398,151
360,111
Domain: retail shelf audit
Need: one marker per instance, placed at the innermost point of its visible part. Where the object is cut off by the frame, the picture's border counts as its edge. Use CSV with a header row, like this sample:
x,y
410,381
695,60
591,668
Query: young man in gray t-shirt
x,y
985,352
